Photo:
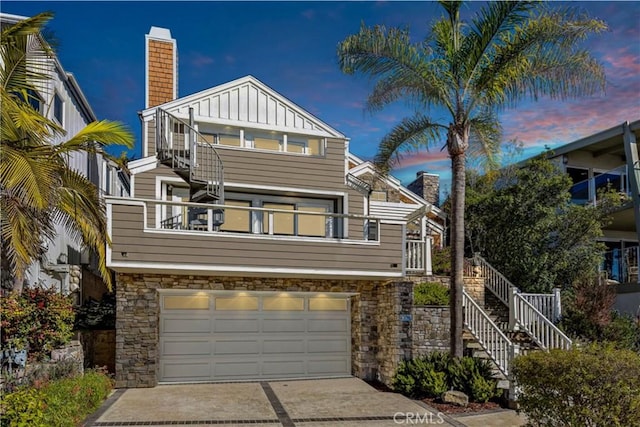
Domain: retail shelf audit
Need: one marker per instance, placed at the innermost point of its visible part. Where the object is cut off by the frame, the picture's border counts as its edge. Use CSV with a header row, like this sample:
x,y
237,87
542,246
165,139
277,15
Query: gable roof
x,y
247,102
362,167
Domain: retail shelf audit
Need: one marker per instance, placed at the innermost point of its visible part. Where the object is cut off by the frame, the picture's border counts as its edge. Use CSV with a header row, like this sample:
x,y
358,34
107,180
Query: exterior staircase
x,y
182,148
507,322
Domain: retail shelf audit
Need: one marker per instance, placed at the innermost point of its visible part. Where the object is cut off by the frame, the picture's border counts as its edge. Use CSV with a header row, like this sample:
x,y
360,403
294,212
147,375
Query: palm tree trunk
x,y
457,143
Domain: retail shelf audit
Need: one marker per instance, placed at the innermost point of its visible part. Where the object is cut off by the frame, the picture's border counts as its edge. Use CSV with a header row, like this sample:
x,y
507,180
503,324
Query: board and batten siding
x,y
131,244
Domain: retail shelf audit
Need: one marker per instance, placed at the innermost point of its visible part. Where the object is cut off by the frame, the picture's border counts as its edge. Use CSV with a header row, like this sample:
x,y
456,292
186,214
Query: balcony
x,y
587,191
191,238
621,265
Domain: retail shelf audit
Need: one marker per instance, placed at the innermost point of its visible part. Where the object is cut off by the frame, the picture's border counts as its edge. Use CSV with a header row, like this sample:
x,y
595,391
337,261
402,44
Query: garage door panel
x,y
327,325
283,368
170,347
283,325
236,325
268,339
240,347
328,346
186,370
275,346
336,366
185,325
230,368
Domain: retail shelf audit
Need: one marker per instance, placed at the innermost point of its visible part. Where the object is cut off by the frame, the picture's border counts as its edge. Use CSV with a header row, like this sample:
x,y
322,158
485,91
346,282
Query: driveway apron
x,y
297,403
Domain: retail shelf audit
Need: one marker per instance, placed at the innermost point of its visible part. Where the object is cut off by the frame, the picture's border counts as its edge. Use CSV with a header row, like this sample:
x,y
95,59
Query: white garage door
x,y
213,335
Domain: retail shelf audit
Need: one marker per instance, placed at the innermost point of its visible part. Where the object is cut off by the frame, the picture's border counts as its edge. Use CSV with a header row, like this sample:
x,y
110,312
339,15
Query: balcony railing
x,y
586,192
621,265
208,218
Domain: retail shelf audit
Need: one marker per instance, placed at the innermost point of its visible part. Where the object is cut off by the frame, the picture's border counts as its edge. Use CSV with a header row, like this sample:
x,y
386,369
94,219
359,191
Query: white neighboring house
x,y
63,101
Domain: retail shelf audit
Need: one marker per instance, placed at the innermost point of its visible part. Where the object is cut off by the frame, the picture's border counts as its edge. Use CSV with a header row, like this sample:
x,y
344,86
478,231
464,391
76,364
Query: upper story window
x,y
262,140
58,108
34,99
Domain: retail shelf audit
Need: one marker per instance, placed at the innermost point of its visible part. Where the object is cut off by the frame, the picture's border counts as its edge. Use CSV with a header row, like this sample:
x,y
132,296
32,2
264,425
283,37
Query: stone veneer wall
x,y
431,329
380,339
394,322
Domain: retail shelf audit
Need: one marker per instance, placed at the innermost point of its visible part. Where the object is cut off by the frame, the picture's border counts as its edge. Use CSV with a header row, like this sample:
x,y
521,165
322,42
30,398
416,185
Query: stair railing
x,y
180,143
523,314
497,345
537,325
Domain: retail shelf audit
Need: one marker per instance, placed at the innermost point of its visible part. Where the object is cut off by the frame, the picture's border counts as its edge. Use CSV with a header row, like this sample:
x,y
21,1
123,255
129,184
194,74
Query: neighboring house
x,y
252,246
610,160
66,262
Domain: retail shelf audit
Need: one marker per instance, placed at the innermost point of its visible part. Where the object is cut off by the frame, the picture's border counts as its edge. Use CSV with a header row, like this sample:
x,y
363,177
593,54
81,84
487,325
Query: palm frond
x,y
485,137
408,136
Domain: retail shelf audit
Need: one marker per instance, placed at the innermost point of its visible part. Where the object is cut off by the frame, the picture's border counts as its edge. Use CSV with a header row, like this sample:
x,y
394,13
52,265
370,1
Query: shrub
x,y
441,260
594,386
38,319
59,403
432,375
430,293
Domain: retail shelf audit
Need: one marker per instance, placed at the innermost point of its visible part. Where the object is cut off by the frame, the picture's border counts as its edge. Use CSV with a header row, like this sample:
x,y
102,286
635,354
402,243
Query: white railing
x,y
538,326
415,255
547,304
488,334
545,308
418,256
203,218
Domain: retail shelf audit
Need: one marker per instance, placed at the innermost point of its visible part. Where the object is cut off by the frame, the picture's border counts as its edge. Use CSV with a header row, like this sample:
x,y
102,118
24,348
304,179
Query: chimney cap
x,y
160,33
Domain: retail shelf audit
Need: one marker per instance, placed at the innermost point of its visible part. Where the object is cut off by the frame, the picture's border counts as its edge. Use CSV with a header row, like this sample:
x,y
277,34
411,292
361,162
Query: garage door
x,y
213,335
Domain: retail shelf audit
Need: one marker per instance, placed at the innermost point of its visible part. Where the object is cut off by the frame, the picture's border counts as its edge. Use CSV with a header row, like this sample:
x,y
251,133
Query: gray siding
x,y
224,250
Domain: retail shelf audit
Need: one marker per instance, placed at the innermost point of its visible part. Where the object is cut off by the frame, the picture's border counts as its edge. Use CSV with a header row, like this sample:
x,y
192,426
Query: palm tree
x,y
509,52
39,189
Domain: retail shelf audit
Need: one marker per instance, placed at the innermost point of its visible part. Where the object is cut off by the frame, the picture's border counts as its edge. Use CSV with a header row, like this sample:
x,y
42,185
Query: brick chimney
x,y
427,186
161,67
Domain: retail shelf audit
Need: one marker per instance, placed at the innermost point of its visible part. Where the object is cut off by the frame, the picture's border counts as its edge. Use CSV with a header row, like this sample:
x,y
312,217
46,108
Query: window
x,y
283,223
313,225
378,196
34,99
238,220
271,142
58,108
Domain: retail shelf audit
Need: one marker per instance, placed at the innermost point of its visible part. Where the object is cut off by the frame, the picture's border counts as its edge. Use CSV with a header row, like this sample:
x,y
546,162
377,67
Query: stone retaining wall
x,y
431,329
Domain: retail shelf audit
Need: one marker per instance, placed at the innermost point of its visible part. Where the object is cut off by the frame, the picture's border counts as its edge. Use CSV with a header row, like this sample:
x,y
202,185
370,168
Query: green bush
x,y
621,330
441,260
37,319
597,385
430,293
432,375
60,403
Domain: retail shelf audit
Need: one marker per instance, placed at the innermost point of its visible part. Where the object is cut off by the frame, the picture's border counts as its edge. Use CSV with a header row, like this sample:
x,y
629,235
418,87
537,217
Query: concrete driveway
x,y
300,403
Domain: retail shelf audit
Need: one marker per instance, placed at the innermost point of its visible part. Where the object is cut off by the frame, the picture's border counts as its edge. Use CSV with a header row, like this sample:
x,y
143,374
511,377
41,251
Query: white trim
x,y
109,214
261,236
161,267
177,103
161,194
404,250
132,186
143,165
234,185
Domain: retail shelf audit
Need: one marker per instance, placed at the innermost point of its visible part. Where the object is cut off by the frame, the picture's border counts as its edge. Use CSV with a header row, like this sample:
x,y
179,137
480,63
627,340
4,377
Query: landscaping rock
x,y
455,398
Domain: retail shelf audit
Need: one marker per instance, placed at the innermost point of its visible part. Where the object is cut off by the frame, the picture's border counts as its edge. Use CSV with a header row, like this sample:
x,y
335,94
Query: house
x,y
610,160
66,266
251,246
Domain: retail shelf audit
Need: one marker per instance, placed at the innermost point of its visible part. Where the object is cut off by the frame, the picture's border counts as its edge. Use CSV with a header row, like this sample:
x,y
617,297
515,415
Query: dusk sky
x,y
291,47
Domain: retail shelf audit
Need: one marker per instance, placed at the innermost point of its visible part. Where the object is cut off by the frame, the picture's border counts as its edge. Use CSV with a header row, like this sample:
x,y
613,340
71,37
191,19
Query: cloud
x,y
198,60
309,14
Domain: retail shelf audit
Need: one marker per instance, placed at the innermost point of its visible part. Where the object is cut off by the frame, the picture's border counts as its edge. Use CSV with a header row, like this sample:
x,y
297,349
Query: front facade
x,y
247,249
61,99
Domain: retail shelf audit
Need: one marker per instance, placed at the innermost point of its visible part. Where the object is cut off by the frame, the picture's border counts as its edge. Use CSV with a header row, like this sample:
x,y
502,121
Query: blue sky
x,y
291,47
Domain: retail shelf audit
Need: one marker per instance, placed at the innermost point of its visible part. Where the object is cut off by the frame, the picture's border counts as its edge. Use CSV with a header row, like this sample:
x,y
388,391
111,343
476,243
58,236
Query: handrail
x,y
179,142
201,217
519,315
539,327
415,255
497,345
